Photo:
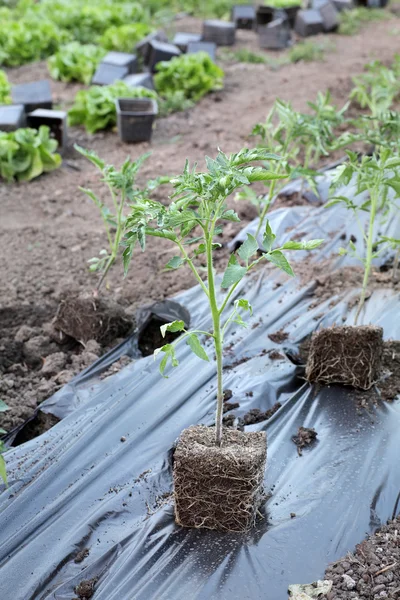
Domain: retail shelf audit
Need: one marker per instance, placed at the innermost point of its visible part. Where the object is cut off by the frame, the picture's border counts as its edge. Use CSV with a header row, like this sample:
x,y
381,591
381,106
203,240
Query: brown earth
x,y
49,229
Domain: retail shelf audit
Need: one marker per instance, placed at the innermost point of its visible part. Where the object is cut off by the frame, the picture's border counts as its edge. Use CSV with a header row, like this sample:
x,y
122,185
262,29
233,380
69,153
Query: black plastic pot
x,y
143,48
309,22
122,59
159,51
244,16
12,117
221,33
107,74
135,117
264,15
276,35
330,16
182,40
56,120
140,80
36,94
208,47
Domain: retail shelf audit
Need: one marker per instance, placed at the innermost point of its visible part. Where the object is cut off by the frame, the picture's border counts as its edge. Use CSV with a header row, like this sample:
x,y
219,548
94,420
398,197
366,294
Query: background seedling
x,y
194,219
376,175
75,62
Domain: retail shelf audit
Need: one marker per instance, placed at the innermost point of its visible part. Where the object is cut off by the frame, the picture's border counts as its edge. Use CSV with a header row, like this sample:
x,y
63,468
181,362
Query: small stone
x,y
349,582
123,439
54,363
292,515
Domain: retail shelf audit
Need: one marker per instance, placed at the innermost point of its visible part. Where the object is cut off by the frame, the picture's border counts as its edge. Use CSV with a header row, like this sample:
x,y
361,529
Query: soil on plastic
x,y
255,415
82,554
347,355
304,437
85,590
212,489
49,229
372,570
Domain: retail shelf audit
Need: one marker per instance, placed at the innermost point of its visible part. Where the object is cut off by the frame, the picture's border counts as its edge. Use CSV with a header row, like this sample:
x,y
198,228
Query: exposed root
x,y
219,487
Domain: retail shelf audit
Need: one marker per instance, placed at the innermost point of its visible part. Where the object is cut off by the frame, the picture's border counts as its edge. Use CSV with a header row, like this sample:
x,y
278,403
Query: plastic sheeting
x,y
79,486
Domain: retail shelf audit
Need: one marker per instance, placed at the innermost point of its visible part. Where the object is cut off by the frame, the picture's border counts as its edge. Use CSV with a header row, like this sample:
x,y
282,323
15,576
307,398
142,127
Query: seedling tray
x,y
135,117
36,94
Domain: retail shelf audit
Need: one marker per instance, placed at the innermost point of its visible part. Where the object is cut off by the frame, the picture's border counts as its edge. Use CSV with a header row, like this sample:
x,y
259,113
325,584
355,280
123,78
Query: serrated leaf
x,y
230,215
169,351
248,248
175,262
238,319
268,238
306,245
233,273
3,406
196,347
244,304
394,184
173,327
280,260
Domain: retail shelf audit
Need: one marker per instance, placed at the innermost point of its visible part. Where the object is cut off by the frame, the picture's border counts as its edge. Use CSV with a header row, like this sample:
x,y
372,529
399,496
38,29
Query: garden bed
x,y
49,230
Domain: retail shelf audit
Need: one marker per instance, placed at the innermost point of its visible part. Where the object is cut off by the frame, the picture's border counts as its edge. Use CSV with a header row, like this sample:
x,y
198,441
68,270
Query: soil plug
x,y
232,460
304,437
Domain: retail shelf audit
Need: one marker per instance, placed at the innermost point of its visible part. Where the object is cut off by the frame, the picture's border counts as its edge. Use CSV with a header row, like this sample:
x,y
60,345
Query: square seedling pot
x,y
143,48
309,22
346,355
219,487
208,47
222,33
330,16
291,12
182,40
12,117
107,74
56,120
135,117
140,79
244,16
32,95
264,15
276,35
122,59
159,51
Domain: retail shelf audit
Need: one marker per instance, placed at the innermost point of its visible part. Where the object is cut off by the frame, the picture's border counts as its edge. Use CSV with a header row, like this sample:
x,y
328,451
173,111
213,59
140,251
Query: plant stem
x,y
368,258
117,239
216,318
266,205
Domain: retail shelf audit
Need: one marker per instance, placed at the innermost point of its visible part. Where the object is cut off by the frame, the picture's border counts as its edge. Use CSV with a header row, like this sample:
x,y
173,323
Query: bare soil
x,y
49,229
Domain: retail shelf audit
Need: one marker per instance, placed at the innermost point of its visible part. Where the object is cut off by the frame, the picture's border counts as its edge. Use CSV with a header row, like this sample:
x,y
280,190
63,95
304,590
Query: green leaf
x,y
3,406
244,304
308,245
230,215
173,327
194,343
233,273
175,263
248,248
279,259
395,185
268,238
169,352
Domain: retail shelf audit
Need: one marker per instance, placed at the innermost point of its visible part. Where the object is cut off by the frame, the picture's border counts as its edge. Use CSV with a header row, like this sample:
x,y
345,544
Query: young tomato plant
x,y
376,88
301,139
194,219
121,185
380,177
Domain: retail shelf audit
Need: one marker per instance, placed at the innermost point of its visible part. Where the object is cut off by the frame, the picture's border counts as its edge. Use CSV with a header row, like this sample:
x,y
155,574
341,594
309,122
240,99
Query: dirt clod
x,y
255,415
305,436
346,355
85,589
87,318
82,554
278,337
218,487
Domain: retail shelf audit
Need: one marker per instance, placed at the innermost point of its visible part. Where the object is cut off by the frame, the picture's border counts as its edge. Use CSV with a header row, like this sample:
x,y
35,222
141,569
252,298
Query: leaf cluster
x,y
27,153
95,108
5,89
75,62
194,75
124,38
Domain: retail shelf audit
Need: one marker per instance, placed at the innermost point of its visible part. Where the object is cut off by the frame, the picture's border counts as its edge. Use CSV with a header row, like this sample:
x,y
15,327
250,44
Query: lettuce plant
x,y
75,62
124,38
28,40
5,89
95,108
192,222
376,175
27,153
192,74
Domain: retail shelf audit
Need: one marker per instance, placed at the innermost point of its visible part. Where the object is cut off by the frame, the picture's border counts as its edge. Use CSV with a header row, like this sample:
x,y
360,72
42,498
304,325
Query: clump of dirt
x,y
218,487
116,366
346,355
278,337
80,557
230,406
275,355
85,590
305,436
372,571
389,383
85,318
255,415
